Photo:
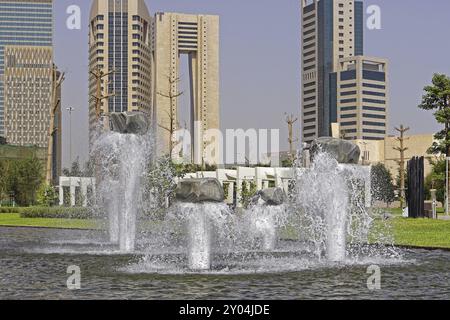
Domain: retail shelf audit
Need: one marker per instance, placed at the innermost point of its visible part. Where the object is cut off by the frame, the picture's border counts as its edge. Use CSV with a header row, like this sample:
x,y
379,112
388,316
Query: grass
x,y
407,232
14,220
422,232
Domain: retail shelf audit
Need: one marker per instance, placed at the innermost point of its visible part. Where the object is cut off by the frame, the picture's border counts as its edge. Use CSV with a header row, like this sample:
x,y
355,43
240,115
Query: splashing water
x,y
332,202
207,228
122,160
261,224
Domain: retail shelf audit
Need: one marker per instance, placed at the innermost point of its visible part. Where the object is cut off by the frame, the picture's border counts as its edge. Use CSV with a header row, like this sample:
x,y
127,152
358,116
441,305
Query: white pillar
x,y
72,195
230,192
84,193
259,180
239,193
61,194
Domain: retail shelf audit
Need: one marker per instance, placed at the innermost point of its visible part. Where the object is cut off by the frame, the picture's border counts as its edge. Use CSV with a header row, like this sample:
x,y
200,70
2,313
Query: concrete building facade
x,y
196,36
331,30
25,23
362,98
26,76
28,94
119,44
382,151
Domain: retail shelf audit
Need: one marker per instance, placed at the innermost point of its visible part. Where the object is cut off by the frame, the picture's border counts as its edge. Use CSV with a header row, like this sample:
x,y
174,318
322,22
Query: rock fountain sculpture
x,y
266,214
328,191
123,153
195,193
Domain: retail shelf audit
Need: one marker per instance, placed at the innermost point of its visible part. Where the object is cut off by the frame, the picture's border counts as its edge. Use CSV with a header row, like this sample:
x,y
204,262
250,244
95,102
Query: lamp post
x,y
70,110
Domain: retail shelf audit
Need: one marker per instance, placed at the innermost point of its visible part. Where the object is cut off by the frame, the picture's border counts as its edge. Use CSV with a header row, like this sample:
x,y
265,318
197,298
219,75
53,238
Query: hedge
x,y
10,210
56,213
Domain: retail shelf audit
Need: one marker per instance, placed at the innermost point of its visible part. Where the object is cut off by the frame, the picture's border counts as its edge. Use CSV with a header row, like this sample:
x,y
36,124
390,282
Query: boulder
x,y
200,190
129,122
273,196
342,150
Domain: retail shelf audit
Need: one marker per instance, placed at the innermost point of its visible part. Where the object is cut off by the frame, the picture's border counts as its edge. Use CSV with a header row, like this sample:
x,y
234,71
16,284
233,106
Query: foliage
x,y
76,171
248,191
46,196
21,179
287,163
382,186
10,209
56,212
161,183
437,99
436,180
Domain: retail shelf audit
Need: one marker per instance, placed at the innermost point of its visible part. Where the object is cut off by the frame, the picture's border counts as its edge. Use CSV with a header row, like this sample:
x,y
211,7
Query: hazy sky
x,y
260,60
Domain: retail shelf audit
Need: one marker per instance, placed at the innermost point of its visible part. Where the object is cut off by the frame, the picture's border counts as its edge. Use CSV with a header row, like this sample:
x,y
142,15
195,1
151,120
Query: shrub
x,y
10,210
46,196
56,213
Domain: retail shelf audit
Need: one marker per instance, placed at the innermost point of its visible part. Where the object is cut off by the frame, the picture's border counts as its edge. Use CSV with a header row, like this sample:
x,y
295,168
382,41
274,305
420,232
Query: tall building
x,y
196,36
119,44
23,23
331,30
26,76
362,98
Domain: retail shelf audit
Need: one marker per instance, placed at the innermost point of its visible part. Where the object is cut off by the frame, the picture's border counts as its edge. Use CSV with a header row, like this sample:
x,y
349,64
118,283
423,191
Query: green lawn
x,y
14,220
407,232
422,232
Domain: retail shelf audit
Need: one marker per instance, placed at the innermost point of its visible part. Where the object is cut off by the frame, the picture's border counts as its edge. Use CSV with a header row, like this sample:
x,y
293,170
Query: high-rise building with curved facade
x,y
119,45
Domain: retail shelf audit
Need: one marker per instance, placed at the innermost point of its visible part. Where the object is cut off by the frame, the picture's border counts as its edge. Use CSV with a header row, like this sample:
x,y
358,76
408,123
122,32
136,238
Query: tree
x,y
437,99
75,170
173,94
436,179
291,120
161,184
401,163
382,186
26,177
248,191
46,196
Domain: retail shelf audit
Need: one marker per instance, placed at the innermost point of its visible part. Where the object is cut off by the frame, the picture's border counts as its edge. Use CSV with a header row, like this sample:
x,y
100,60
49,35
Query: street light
x,y
70,110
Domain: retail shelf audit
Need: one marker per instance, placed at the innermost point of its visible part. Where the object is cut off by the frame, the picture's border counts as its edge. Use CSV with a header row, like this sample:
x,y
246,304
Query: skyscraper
x,y
26,76
197,37
119,44
331,30
24,24
362,98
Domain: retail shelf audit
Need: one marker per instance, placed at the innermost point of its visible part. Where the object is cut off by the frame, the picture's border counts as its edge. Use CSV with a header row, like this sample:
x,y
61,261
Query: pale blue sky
x,y
260,59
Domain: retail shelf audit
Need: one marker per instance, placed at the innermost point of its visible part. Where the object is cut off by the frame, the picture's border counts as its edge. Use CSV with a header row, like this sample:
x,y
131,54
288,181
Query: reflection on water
x,y
33,264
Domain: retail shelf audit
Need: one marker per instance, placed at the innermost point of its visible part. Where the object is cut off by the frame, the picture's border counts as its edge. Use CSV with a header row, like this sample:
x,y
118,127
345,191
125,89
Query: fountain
x,y
266,215
329,198
123,154
201,207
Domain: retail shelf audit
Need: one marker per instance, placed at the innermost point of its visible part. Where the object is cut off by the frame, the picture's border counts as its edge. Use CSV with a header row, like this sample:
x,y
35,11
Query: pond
x,y
34,263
